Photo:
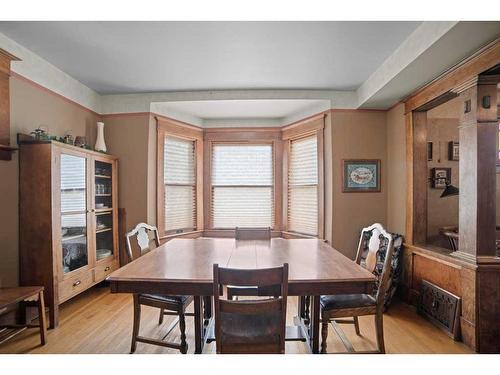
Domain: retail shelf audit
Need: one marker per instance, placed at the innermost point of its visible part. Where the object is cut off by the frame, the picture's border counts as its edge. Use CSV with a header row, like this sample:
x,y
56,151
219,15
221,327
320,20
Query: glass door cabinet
x,y
68,219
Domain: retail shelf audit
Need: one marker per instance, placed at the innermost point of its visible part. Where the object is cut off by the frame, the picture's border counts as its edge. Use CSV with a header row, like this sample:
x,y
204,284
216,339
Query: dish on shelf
x,y
99,205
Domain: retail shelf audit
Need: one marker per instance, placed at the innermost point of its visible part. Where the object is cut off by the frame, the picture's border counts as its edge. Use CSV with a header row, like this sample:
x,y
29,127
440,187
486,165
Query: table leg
x,y
41,318
207,309
314,324
198,325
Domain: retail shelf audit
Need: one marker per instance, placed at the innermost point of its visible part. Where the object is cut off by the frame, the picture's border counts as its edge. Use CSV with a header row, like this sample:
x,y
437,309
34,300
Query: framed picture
x,y
360,175
429,151
453,151
439,176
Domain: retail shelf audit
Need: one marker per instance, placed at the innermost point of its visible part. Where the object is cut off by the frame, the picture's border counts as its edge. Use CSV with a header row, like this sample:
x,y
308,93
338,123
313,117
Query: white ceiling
x,y
234,109
132,57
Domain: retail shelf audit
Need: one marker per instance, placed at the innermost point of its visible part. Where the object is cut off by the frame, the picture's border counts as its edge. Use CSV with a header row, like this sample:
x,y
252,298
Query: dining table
x,y
184,266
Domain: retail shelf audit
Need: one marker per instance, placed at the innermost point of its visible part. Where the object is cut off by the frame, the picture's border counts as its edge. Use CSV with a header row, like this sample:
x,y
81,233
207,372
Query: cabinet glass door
x,y
103,199
74,212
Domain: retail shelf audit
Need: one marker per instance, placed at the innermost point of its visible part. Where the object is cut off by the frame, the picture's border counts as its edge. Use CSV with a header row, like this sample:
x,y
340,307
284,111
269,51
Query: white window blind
x,y
73,191
242,185
303,186
179,175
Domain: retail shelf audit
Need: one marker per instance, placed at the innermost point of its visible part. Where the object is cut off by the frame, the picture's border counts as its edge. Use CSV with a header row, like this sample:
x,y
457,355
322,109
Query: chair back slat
x,y
251,307
375,252
250,277
251,326
146,238
253,233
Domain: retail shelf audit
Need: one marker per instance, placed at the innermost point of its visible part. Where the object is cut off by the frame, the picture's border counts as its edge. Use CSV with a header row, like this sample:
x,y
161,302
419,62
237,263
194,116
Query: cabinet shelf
x,y
67,238
102,176
103,195
103,230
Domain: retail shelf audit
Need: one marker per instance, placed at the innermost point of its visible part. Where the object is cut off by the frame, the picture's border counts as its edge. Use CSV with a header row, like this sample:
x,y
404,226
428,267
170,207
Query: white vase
x,y
100,145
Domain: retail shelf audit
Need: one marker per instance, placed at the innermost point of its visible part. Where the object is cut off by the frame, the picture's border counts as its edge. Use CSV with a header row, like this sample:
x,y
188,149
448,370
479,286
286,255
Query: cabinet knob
x,y
77,282
107,268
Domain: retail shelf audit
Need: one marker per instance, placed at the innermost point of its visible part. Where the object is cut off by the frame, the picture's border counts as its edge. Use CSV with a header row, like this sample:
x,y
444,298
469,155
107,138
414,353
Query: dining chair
x,y
255,326
375,253
147,238
243,234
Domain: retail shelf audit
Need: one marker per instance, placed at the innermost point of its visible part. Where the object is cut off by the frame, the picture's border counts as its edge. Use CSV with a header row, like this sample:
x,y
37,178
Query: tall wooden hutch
x,y
68,219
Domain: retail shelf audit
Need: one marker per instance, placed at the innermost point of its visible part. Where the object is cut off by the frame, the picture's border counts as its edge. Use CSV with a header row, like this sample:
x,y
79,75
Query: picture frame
x,y
439,177
453,151
361,175
429,151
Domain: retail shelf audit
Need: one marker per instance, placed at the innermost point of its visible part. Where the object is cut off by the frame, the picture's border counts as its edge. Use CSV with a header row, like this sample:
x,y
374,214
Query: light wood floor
x,y
99,322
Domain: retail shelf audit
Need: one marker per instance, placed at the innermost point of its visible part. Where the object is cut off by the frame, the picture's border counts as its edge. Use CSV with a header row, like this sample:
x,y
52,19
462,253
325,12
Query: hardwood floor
x,y
100,322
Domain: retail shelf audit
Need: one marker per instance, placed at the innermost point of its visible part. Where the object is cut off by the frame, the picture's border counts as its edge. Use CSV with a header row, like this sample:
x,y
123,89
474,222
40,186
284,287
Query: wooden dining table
x,y
185,267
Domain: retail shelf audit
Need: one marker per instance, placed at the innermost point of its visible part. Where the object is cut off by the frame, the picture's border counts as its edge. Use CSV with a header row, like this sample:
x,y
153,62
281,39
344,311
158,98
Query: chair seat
x,y
169,299
346,301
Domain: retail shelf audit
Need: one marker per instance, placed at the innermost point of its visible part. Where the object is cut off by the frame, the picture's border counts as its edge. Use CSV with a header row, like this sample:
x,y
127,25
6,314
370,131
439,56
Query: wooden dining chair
x,y
245,234
375,253
147,238
251,326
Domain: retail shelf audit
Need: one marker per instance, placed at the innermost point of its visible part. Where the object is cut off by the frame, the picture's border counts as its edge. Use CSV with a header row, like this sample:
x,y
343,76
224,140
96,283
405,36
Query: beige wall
x,y
127,138
357,135
31,107
396,170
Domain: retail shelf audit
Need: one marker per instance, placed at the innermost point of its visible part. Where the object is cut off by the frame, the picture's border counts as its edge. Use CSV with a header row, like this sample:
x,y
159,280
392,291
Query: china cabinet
x,y
68,219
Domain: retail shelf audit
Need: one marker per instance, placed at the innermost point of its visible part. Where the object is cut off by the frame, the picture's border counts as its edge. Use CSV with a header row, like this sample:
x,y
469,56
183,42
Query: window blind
x,y
242,185
73,191
179,175
303,186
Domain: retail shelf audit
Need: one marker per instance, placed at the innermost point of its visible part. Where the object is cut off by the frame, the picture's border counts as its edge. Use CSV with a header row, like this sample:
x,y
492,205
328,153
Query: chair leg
x,y
356,326
379,328
307,303
324,335
42,319
137,322
160,320
182,326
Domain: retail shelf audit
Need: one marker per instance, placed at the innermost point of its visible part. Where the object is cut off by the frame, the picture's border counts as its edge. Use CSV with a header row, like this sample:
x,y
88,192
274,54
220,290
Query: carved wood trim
x,y
5,62
479,62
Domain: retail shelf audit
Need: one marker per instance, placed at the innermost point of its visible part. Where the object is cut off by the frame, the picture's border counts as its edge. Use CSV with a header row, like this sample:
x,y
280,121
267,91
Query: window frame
x,y
171,128
312,127
273,186
269,135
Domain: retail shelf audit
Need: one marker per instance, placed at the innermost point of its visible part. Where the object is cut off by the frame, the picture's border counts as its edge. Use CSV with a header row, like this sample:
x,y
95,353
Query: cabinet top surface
x,y
68,147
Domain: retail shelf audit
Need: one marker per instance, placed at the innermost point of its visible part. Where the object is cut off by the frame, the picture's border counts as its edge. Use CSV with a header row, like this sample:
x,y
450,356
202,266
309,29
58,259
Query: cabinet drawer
x,y
74,285
101,271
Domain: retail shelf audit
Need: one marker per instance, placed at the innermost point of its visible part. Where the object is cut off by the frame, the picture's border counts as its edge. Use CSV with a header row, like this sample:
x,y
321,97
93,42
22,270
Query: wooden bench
x,y
10,296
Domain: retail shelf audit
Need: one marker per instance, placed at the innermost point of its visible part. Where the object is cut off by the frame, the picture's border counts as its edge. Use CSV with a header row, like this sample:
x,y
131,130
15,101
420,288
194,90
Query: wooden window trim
x,y
313,126
273,186
243,136
167,127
